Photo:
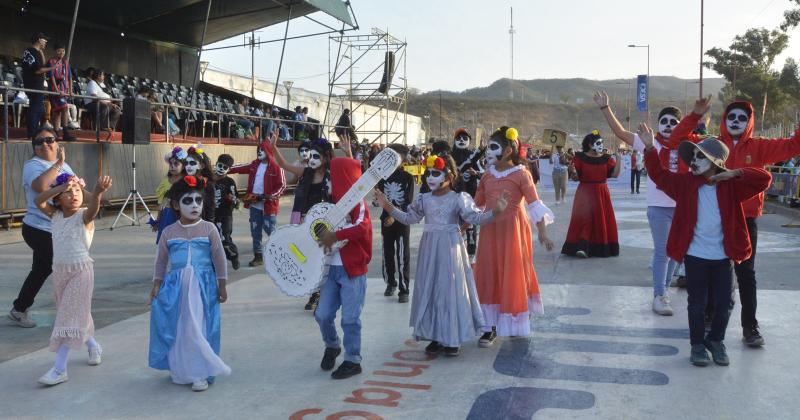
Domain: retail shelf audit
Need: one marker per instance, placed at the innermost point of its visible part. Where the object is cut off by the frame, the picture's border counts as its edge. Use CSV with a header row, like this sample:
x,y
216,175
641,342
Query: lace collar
x,y
506,172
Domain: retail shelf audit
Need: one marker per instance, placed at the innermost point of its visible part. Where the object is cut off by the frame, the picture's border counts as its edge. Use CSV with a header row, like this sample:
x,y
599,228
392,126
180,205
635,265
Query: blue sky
x,y
456,45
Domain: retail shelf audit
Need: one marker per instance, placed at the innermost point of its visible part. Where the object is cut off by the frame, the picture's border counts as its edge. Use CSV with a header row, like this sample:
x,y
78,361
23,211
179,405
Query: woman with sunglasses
x,y
38,173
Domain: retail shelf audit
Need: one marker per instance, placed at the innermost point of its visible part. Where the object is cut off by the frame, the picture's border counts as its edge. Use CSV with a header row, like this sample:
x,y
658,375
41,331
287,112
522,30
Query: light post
x,y
628,101
686,94
647,105
288,84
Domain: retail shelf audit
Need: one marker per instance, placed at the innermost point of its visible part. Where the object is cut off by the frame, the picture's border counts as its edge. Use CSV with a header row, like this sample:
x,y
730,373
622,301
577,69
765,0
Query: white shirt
x,y
557,161
94,89
708,236
656,197
34,167
258,185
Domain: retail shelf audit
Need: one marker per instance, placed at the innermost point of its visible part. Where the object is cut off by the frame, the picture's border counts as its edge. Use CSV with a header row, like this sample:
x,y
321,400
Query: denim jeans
x,y
702,275
35,112
260,222
660,219
348,292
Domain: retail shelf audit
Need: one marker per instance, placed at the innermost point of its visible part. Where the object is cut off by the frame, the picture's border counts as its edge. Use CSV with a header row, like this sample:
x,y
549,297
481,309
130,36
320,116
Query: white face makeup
x,y
175,166
304,153
462,142
191,205
221,169
314,160
261,154
192,165
699,164
597,146
493,153
666,124
435,179
736,121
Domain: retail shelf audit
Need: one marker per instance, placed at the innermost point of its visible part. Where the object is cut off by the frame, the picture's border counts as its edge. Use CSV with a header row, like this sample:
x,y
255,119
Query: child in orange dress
x,y
505,276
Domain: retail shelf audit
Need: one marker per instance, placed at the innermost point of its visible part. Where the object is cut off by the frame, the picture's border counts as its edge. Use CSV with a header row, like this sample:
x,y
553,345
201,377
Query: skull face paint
x,y
699,164
192,166
435,179
493,153
262,155
221,169
597,146
314,159
462,142
736,121
304,153
666,124
191,205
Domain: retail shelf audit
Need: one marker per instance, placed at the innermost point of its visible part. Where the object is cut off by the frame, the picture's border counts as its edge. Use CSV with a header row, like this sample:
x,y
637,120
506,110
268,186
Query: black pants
x,y
41,243
35,113
396,255
746,277
225,227
702,275
471,238
636,177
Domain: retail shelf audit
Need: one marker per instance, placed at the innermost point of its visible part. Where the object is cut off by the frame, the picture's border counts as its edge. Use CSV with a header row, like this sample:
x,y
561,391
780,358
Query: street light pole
x,y
702,8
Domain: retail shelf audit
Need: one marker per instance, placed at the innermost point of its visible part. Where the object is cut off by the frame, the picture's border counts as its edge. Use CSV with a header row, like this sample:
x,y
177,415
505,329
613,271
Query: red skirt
x,y
593,227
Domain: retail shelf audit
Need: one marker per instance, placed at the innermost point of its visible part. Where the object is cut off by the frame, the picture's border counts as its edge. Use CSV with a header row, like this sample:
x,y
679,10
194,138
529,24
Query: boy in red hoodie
x,y
736,130
708,233
346,282
265,185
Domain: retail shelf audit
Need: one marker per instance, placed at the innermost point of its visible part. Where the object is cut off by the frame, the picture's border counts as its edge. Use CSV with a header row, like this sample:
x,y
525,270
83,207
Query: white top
x,y
707,239
556,157
656,197
71,238
258,185
94,89
34,167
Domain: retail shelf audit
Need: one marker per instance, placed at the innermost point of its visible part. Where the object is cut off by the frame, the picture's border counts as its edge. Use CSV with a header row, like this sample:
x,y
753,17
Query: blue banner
x,y
641,92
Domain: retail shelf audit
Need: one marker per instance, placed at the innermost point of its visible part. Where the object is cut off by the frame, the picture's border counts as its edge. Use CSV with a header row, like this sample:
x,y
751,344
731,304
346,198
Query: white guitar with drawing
x,y
292,256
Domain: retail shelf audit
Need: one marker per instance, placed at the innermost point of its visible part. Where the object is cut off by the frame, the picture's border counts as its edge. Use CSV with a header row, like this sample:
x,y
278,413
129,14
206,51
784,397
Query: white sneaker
x,y
74,125
95,354
200,385
661,305
581,254
53,377
21,319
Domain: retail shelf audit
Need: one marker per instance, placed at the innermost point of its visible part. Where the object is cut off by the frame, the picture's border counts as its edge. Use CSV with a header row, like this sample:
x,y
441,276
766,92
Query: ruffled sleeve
x,y
470,213
415,213
538,211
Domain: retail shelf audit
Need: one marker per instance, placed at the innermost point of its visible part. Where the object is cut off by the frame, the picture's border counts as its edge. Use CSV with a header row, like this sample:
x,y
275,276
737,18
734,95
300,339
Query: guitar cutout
x,y
293,257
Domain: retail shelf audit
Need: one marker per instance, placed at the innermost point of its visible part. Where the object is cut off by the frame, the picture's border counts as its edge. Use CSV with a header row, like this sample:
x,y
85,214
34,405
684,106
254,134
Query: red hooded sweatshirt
x,y
730,195
748,152
274,180
357,253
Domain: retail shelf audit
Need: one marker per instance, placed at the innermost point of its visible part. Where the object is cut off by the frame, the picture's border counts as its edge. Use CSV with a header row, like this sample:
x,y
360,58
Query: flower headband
x,y
195,150
65,177
176,153
193,181
435,162
596,132
511,134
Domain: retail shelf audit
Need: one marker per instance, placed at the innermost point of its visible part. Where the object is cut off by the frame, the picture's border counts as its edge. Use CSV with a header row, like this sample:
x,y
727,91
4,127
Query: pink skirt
x,y
74,285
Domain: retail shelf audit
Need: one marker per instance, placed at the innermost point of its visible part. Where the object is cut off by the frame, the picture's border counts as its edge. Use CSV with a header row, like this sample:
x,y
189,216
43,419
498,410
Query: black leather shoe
x,y
434,348
752,337
329,358
235,263
402,297
346,370
389,291
452,351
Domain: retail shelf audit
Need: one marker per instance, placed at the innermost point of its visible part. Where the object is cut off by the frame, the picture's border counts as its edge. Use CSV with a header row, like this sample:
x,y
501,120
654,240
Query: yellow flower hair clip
x,y
596,132
512,134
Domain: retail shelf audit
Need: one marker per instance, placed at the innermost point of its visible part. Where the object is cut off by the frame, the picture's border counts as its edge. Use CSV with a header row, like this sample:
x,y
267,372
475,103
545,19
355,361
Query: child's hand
x,y
501,204
381,199
702,105
724,176
326,240
222,292
548,244
601,98
103,184
154,290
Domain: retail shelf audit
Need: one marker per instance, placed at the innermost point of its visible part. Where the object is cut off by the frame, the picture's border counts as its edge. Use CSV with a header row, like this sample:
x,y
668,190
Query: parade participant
x,y
560,162
504,272
660,207
532,158
313,184
225,199
398,189
736,131
38,173
445,309
467,159
303,151
636,171
438,148
73,269
198,164
265,185
188,286
593,227
346,282
166,216
710,231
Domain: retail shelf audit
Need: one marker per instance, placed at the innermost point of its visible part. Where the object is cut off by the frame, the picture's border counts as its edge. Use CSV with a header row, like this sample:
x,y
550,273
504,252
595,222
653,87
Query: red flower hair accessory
x,y
435,162
190,181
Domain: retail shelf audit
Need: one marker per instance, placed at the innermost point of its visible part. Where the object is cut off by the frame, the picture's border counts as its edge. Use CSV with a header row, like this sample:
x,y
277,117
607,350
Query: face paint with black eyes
x,y
597,146
304,153
666,124
462,142
192,166
221,169
435,179
191,205
262,155
314,160
736,121
493,153
699,164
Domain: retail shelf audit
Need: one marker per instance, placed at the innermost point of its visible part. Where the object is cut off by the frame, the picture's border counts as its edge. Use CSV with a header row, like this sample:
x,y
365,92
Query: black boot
x,y
389,290
313,300
257,261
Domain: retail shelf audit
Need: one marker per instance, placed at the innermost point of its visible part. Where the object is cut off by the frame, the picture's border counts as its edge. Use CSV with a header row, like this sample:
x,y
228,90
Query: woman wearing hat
x,y
709,232
593,227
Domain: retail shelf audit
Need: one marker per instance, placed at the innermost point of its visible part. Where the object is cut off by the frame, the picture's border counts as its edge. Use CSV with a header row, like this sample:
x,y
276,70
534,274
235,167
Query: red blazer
x,y
274,183
749,152
730,194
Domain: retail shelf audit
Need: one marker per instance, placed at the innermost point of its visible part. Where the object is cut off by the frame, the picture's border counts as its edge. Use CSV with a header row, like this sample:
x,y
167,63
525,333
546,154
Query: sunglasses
x,y
188,200
42,140
671,121
740,117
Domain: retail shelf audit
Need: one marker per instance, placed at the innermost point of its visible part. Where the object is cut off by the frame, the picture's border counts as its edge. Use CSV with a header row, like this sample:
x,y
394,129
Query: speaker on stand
x,y
135,131
388,72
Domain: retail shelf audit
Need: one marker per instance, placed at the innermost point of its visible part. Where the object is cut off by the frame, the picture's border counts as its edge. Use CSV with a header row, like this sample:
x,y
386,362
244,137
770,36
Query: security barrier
x,y
785,183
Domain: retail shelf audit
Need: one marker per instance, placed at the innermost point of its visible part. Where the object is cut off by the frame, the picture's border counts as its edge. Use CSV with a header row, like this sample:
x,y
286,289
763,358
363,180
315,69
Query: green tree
x,y
791,16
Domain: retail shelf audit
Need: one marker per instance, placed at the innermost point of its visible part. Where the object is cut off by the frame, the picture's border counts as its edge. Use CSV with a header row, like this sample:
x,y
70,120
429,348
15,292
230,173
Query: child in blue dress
x,y
188,286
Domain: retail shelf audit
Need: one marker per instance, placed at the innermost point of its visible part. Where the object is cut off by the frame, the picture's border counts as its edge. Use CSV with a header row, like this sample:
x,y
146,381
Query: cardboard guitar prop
x,y
293,257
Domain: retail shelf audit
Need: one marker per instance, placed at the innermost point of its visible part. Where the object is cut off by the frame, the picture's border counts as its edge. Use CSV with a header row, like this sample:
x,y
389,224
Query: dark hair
x,y
225,159
671,110
451,168
499,136
182,186
203,158
323,146
145,91
346,111
96,73
401,149
304,144
440,147
590,138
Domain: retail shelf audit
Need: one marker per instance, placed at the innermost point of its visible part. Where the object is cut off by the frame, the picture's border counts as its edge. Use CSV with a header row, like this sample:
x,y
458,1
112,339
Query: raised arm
x,y
43,198
748,182
769,151
413,215
43,181
683,131
280,160
344,144
664,179
601,99
103,184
